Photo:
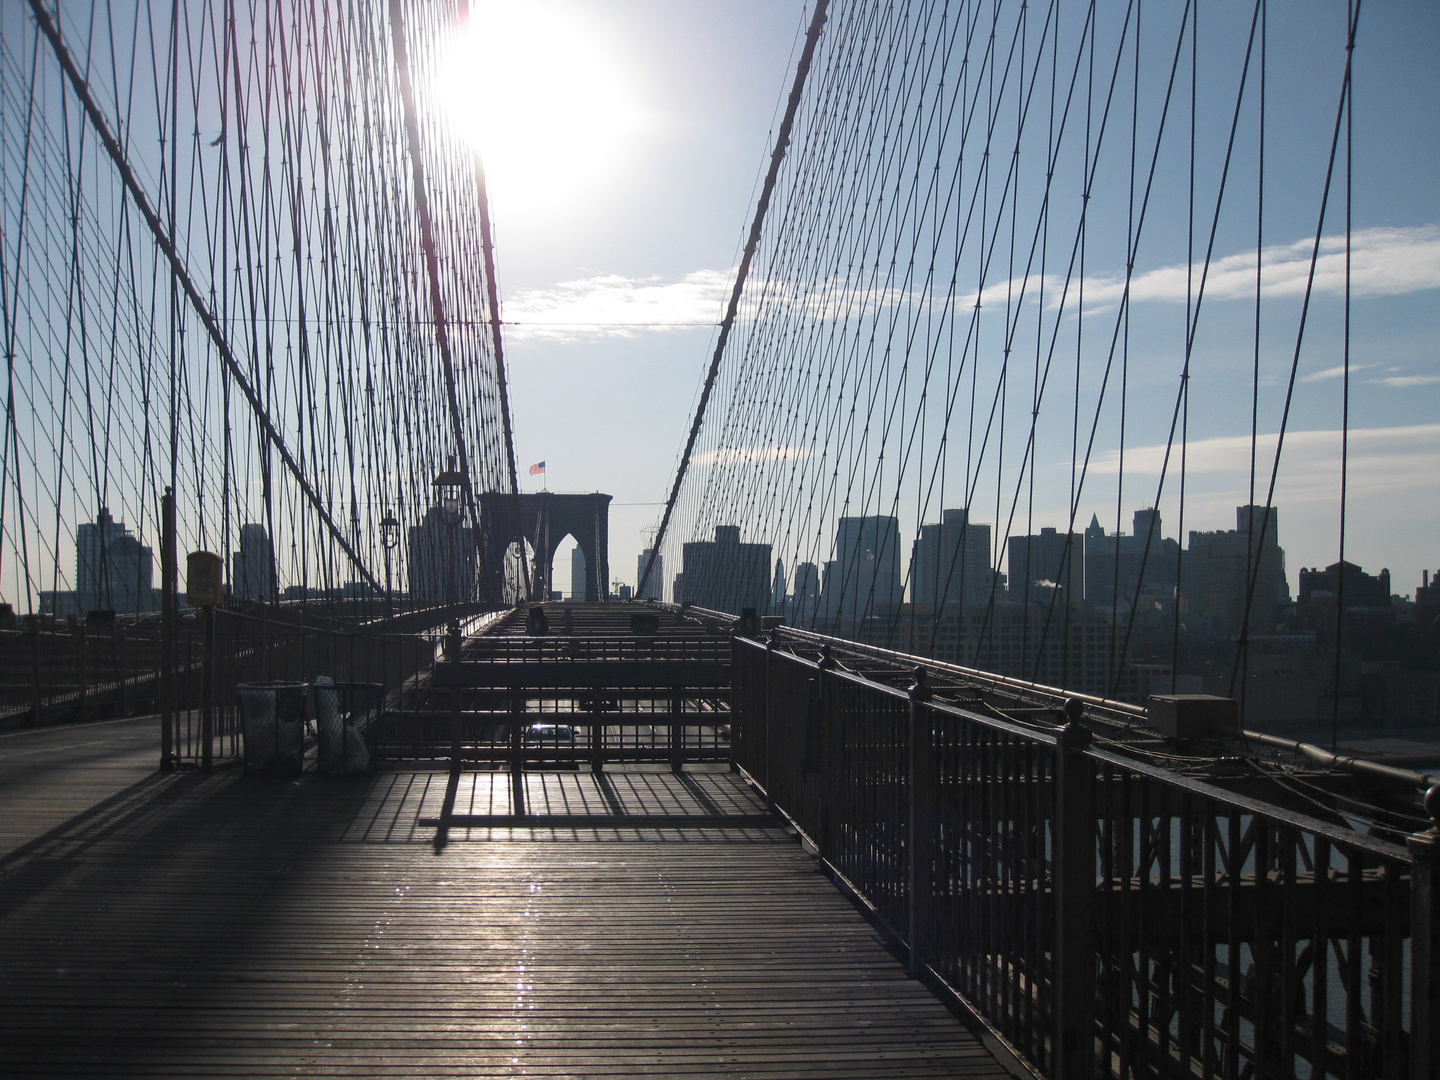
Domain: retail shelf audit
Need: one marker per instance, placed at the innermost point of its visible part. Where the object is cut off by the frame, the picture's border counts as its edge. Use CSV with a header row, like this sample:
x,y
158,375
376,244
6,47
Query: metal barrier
x,y
1101,916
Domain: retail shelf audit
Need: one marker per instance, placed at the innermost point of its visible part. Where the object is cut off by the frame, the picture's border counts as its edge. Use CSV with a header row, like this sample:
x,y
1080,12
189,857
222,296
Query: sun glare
x,y
540,100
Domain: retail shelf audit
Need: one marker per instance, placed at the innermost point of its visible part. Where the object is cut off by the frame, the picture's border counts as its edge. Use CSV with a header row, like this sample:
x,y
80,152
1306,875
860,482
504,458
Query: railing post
x,y
765,720
82,658
167,629
1425,945
1073,950
517,753
919,811
677,730
35,696
597,729
207,690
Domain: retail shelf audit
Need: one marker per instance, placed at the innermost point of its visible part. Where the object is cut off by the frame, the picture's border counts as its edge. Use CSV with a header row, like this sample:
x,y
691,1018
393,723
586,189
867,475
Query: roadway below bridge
x,y
193,923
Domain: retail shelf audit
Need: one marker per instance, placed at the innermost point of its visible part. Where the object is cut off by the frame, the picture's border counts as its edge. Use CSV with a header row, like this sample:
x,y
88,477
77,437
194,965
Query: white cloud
x,y
749,455
614,306
1383,262
1333,373
1390,460
1407,380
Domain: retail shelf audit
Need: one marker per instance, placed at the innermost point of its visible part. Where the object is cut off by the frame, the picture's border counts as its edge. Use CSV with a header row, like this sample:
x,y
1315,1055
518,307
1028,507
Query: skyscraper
x,y
1228,570
778,587
950,561
867,573
442,561
1119,569
654,588
805,594
1049,559
577,573
113,570
252,568
723,574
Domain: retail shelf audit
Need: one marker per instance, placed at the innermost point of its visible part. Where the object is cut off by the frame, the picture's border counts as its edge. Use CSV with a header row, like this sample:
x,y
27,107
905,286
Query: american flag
x,y
537,469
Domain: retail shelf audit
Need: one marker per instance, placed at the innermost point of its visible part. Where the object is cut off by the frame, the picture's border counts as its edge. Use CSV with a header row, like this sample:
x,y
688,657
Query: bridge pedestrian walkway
x,y
192,924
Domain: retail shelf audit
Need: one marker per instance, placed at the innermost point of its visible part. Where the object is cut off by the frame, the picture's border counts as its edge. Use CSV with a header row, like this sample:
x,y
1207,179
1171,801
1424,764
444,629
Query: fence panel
x,y
1102,915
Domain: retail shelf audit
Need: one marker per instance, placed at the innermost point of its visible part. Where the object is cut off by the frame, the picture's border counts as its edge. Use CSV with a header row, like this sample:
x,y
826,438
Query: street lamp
x,y
449,490
389,540
449,493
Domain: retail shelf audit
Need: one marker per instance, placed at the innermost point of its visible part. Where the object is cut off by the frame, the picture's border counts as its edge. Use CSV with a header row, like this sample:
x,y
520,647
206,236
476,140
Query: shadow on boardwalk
x,y
218,924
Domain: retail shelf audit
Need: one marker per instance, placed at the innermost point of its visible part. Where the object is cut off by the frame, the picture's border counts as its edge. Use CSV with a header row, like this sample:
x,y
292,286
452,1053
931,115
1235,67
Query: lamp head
x,y
389,532
449,492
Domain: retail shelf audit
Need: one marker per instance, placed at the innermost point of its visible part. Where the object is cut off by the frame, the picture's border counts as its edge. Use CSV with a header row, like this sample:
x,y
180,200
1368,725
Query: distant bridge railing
x,y
77,673
1099,915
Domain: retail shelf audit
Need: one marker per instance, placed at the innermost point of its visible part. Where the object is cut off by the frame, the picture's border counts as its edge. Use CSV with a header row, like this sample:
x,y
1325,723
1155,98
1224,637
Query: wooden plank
x,y
189,924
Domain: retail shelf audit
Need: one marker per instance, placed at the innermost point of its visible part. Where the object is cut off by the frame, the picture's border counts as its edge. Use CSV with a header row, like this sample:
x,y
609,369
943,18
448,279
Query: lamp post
x,y
449,494
389,540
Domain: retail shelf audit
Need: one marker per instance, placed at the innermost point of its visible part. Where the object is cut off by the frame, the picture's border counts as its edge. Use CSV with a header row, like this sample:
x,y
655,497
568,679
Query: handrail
x,y
1358,765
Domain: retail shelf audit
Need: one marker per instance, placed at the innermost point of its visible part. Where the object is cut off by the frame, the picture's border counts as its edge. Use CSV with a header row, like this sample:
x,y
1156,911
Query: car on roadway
x,y
552,737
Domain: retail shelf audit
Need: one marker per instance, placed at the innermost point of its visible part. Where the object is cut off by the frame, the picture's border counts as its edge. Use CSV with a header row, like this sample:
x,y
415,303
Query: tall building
x,y
867,573
1324,588
1039,563
113,570
723,574
778,588
827,607
950,561
252,568
654,588
805,595
1115,565
1069,647
442,561
1220,566
577,573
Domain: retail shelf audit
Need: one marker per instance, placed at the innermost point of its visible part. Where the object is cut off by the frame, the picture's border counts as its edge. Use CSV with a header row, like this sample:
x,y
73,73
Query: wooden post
x,y
1425,945
919,814
1073,987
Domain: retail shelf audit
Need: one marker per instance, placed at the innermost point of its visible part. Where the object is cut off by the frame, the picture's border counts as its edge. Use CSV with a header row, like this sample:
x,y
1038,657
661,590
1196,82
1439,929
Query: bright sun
x,y
540,101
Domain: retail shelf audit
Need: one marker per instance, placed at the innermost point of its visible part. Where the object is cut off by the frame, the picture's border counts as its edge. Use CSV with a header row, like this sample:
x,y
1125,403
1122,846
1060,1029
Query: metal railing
x,y
1103,917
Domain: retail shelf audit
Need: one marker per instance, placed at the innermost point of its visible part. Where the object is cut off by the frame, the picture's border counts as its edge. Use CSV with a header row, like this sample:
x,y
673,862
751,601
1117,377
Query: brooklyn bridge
x,y
1030,666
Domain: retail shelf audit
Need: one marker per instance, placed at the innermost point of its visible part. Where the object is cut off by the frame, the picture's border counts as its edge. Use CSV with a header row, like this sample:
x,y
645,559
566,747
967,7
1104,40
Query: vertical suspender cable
x,y
181,277
1345,390
432,264
492,294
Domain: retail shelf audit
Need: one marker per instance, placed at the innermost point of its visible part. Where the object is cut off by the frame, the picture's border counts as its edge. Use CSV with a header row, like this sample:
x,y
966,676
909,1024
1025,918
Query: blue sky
x,y
607,406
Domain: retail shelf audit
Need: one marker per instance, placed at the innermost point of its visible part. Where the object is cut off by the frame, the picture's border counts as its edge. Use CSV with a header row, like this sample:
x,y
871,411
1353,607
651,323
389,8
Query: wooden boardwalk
x,y
216,925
